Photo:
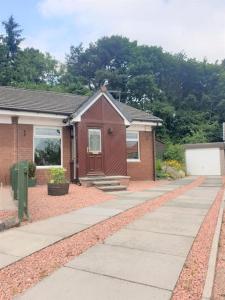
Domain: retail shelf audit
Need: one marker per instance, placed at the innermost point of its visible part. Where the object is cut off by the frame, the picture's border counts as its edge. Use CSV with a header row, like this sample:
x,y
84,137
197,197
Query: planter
x,y
58,189
32,182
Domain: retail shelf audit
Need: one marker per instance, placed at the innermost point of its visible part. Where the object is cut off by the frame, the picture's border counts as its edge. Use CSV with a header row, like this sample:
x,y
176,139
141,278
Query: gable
x,y
106,103
103,111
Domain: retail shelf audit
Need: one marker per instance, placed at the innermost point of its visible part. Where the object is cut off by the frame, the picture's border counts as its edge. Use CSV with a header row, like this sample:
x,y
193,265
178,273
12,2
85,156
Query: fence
x,y
19,183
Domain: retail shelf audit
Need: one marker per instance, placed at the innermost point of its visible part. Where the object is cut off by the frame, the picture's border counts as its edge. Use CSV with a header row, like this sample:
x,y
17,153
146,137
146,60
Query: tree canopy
x,y
189,95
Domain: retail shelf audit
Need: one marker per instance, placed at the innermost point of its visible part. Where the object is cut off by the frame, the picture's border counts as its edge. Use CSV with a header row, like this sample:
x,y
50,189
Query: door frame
x,y
95,126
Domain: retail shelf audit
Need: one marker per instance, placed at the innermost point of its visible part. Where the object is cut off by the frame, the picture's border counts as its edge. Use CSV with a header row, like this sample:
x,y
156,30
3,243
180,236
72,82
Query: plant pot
x,y
58,189
32,182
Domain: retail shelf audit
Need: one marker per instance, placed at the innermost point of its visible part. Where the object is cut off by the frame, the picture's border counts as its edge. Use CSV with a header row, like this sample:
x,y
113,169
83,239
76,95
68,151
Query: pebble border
x,y
19,276
192,278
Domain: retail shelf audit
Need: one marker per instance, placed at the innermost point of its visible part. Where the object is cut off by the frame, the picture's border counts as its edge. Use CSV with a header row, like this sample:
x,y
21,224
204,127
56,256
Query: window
x,y
133,146
94,140
47,146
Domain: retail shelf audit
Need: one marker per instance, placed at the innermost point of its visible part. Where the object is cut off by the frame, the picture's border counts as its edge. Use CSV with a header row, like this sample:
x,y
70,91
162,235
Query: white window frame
x,y
134,140
100,131
48,136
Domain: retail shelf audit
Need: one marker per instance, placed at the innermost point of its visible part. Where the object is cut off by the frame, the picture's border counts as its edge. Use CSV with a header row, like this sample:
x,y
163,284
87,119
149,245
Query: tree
x,y
12,38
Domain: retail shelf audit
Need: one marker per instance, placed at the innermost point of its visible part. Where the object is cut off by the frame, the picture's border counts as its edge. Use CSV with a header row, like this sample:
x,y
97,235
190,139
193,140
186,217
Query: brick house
x,y
94,135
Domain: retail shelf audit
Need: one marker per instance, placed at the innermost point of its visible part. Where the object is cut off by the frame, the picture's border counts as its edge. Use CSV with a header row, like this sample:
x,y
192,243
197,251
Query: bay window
x,y
47,146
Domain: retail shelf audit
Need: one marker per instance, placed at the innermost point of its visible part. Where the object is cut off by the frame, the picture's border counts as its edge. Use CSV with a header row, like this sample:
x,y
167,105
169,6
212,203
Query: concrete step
x,y
113,188
106,182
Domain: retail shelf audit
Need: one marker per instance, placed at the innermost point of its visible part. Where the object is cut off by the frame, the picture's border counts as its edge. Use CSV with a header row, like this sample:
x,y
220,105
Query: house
x,y
94,135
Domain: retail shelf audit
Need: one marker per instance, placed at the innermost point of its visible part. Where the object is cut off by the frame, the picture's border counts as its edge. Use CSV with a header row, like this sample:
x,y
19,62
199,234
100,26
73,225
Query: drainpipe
x,y
16,138
75,154
154,156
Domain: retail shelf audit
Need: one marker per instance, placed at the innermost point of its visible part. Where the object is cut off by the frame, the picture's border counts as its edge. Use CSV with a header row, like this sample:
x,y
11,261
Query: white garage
x,y
205,159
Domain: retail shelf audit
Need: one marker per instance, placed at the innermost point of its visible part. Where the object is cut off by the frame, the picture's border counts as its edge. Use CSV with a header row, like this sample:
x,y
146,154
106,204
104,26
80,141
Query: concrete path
x,y
141,261
20,242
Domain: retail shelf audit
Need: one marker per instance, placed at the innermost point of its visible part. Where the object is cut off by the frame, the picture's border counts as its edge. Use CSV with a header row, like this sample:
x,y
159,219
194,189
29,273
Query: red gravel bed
x,y
25,273
43,206
219,282
191,282
141,185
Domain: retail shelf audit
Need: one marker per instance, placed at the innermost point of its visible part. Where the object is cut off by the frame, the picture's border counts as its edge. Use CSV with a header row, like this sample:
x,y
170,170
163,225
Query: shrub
x,y
174,152
174,164
57,175
160,173
31,169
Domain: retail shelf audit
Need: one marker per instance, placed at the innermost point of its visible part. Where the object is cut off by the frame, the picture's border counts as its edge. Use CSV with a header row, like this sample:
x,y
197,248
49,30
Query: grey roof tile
x,y
59,103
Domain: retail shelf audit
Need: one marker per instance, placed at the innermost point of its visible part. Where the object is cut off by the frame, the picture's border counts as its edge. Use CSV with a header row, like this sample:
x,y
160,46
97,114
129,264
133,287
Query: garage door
x,y
203,161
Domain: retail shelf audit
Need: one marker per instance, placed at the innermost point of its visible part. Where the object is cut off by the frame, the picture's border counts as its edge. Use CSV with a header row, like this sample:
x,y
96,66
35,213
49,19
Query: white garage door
x,y
203,161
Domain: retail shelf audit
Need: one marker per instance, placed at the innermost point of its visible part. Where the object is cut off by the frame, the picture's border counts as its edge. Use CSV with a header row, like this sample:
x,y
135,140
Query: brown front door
x,y
94,152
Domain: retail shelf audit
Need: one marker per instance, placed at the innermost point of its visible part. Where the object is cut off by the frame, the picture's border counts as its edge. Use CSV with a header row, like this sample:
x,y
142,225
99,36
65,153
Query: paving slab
x,y
152,242
19,243
54,227
145,195
69,284
188,205
6,260
121,204
157,270
94,210
198,198
171,216
81,218
164,226
168,188
183,211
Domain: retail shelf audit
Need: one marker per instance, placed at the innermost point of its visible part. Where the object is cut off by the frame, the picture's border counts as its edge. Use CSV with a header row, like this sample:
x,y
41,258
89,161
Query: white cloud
x,y
196,27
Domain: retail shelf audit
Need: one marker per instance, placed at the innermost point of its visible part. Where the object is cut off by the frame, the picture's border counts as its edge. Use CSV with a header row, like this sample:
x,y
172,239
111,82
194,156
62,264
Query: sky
x,y
195,27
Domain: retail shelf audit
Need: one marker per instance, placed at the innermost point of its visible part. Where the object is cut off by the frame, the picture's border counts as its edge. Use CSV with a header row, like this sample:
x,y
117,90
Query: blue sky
x,y
196,27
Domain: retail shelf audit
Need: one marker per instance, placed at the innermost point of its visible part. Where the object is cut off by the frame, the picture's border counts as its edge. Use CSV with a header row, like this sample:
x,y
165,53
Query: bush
x,y
174,152
174,164
57,175
160,173
31,169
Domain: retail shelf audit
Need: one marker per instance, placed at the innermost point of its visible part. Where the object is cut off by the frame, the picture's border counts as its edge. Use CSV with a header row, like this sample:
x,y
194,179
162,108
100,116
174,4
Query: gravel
x,y
25,273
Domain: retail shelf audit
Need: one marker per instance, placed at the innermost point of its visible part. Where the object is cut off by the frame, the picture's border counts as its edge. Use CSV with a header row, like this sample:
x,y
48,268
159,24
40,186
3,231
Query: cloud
x,y
196,27
46,41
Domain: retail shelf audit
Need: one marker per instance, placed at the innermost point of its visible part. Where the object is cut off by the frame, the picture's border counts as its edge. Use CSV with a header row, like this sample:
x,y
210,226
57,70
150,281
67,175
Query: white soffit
x,y
32,118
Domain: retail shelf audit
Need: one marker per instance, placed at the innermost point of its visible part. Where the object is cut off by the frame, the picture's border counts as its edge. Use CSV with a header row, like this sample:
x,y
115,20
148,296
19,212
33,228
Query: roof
x,y
219,145
19,99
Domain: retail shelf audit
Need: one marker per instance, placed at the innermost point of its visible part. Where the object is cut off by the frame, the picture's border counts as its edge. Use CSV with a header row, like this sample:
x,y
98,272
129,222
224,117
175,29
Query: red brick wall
x,y
13,137
7,154
145,168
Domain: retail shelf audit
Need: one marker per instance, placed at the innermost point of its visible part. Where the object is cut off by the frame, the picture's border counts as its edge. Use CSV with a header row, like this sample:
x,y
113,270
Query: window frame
x,y
48,136
134,140
100,140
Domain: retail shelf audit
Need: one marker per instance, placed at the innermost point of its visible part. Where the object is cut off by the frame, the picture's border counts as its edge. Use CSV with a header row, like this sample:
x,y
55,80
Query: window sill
x,y
47,167
134,160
